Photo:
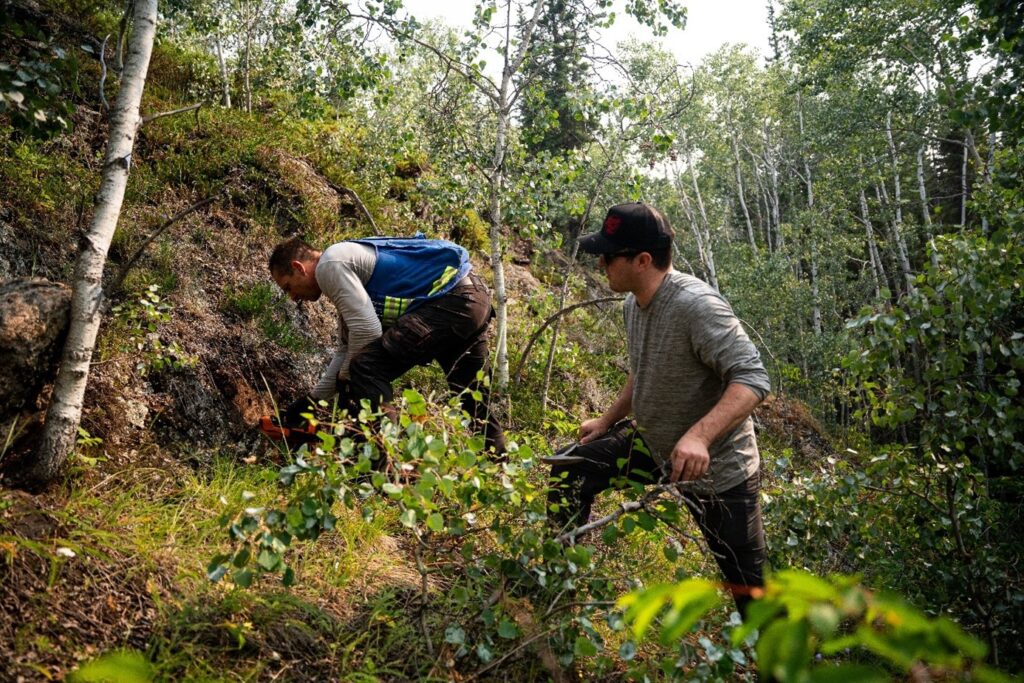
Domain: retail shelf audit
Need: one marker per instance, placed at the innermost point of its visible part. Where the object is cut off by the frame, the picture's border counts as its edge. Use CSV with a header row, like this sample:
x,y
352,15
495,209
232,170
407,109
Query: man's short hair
x,y
661,258
292,249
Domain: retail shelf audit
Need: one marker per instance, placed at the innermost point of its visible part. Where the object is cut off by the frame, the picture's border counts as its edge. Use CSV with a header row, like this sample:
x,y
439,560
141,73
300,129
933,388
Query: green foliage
x,y
949,359
139,320
262,303
801,618
124,667
31,79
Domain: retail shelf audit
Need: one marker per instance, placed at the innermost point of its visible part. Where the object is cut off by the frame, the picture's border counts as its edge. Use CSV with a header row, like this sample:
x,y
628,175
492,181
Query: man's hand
x,y
690,459
593,429
292,416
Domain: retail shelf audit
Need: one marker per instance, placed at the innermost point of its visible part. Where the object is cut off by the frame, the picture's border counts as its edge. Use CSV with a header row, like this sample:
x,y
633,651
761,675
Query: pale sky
x,y
709,24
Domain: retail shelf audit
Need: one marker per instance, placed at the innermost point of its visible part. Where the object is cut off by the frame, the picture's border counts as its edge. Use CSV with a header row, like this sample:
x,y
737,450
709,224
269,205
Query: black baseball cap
x,y
629,226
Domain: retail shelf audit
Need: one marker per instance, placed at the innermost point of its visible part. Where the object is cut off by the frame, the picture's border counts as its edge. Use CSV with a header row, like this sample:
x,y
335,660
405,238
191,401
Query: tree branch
x,y
540,330
351,194
123,272
154,117
103,73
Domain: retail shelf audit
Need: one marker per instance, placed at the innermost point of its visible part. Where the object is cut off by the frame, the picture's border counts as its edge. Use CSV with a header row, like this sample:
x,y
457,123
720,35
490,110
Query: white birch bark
x,y
877,267
739,188
926,214
225,81
65,411
503,105
709,255
699,227
963,189
815,294
899,247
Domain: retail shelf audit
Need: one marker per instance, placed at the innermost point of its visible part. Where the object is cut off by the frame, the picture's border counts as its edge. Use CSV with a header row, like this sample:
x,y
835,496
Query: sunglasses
x,y
612,255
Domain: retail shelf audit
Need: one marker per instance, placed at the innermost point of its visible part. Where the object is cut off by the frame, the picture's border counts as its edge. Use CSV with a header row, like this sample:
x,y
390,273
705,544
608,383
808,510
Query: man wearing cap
x,y
694,378
401,302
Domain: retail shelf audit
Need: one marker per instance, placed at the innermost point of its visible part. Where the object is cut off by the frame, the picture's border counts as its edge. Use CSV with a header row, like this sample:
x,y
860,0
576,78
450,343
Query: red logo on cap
x,y
611,224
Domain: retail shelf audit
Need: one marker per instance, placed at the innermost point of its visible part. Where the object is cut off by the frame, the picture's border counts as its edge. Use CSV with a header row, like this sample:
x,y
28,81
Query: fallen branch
x,y
540,330
123,272
154,117
625,508
351,194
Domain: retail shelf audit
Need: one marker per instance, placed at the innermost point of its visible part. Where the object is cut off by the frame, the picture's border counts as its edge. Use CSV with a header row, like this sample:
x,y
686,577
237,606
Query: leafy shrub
x,y
140,318
801,618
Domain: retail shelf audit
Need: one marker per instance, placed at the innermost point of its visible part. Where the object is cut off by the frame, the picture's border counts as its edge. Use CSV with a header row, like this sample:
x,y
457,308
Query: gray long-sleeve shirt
x,y
685,348
342,273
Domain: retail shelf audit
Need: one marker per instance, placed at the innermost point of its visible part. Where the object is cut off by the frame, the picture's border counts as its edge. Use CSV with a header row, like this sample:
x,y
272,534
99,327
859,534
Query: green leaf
x,y
268,560
584,647
408,517
123,667
242,578
783,649
435,522
507,629
454,635
627,650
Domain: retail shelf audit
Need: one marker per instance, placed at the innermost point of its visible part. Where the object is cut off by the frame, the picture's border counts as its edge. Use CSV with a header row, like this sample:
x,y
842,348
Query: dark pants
x,y
730,521
451,330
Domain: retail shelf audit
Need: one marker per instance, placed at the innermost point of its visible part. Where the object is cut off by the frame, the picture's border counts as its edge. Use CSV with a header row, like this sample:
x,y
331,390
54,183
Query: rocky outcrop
x,y
34,317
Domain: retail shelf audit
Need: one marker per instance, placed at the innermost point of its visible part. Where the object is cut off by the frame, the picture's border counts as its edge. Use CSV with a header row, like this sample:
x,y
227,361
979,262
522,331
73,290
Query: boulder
x,y
34,316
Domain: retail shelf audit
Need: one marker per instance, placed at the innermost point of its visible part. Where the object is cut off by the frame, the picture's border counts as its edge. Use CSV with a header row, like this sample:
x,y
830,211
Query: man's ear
x,y
299,267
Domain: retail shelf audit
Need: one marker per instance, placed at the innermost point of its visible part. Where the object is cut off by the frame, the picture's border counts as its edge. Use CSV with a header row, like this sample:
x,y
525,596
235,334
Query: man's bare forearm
x,y
735,406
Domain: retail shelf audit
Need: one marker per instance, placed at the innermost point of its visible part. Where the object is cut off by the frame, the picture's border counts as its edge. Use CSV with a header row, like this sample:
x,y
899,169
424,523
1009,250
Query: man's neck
x,y
648,286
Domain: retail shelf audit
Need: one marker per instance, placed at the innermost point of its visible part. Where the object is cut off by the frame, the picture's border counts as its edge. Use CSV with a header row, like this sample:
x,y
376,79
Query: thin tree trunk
x,y
815,294
877,267
926,214
503,106
898,247
225,82
963,189
739,190
65,411
709,255
248,68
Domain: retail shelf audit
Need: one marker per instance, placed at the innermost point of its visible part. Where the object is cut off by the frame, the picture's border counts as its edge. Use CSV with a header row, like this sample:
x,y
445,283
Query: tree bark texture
x,y
65,409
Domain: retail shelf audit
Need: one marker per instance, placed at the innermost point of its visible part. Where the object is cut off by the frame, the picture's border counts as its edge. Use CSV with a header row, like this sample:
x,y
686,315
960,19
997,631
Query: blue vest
x,y
410,271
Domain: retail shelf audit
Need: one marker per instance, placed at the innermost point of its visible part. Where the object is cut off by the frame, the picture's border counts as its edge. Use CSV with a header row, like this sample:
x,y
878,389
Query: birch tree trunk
x,y
877,267
926,214
709,256
815,294
225,82
739,189
899,247
503,105
65,411
963,189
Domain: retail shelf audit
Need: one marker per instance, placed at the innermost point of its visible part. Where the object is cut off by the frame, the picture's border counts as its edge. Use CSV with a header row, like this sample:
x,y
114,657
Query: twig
x,y
154,117
351,194
767,349
540,330
103,73
523,645
159,231
425,587
624,508
122,32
